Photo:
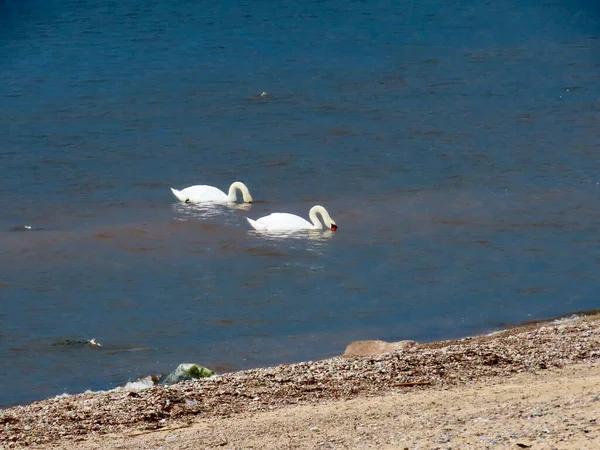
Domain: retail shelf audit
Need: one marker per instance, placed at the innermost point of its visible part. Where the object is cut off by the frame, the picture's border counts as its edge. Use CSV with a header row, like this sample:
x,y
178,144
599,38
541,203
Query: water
x,y
454,143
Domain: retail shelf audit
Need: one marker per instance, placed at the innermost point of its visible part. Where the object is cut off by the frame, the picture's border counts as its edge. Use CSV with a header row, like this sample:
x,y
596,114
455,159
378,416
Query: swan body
x,y
291,222
203,193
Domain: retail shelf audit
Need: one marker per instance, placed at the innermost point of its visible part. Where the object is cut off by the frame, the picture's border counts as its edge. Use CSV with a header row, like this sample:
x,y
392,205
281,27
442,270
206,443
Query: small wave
x,y
140,383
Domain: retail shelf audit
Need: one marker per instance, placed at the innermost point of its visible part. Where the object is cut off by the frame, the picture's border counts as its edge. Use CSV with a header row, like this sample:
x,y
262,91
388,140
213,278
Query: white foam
x,y
567,319
94,343
137,385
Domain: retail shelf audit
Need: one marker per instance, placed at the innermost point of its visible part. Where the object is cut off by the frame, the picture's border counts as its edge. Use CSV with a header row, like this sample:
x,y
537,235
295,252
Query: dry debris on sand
x,y
426,369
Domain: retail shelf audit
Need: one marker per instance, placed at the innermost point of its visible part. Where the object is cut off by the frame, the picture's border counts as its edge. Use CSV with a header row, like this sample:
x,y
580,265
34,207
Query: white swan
x,y
291,222
203,193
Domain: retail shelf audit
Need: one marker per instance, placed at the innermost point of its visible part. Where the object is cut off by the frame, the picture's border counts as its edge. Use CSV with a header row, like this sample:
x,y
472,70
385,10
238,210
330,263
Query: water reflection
x,y
208,210
277,236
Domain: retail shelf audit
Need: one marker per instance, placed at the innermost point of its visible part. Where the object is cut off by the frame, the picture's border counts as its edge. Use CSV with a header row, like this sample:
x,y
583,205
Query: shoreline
x,y
535,349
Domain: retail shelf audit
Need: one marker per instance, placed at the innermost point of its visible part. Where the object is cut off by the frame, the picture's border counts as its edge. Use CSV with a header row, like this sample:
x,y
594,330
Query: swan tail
x,y
179,195
254,224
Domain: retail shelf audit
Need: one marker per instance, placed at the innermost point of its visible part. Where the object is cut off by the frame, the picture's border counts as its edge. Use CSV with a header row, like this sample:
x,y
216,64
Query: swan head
x,y
329,222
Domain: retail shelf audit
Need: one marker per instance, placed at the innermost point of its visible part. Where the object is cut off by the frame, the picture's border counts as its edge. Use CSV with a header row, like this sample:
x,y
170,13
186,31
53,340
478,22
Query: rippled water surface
x,y
456,144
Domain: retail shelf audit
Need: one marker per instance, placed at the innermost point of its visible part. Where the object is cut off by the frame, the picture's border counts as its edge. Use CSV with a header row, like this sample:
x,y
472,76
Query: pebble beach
x,y
414,371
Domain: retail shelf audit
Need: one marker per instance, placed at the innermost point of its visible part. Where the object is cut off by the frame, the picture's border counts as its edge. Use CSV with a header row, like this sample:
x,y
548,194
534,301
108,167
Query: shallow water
x,y
454,143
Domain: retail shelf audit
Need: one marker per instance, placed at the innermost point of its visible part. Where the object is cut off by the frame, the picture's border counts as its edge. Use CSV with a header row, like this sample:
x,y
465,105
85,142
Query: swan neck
x,y
242,187
315,219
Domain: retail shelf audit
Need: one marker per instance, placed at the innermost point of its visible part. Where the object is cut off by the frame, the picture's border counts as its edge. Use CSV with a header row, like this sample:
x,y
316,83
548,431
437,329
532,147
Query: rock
x,y
187,371
366,348
21,228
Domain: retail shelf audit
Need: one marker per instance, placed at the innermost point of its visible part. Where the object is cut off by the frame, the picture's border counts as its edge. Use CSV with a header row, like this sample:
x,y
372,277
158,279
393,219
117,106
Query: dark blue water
x,y
455,143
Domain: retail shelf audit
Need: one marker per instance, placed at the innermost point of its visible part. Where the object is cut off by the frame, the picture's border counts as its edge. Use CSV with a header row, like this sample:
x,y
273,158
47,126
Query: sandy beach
x,y
536,386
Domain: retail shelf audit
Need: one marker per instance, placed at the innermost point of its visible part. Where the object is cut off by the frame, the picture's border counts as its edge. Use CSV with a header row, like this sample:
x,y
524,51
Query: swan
x,y
287,222
203,193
